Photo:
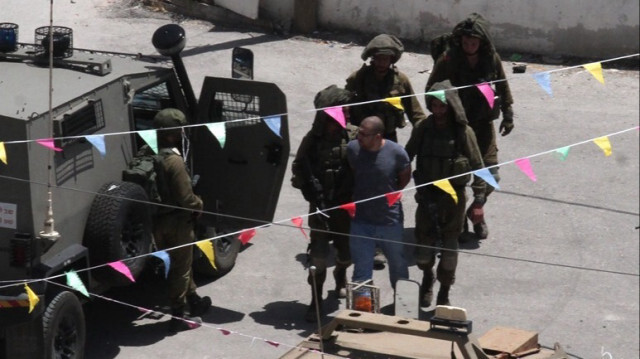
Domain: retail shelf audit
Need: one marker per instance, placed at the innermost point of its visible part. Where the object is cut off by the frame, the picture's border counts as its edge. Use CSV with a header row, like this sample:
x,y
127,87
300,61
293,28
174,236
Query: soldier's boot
x,y
340,276
481,230
426,289
443,295
198,305
316,292
465,236
180,321
379,259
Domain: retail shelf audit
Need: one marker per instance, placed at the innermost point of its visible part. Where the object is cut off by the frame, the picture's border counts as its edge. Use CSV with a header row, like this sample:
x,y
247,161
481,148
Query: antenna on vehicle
x,y
48,232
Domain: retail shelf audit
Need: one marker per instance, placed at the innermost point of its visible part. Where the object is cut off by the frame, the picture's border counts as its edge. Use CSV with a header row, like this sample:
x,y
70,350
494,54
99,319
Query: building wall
x,y
584,28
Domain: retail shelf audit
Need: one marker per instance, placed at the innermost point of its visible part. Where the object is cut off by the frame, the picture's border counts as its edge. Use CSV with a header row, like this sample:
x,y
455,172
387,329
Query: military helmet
x,y
384,45
332,96
169,117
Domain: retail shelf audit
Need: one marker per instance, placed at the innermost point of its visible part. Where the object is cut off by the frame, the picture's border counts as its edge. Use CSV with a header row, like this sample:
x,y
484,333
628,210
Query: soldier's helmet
x,y
332,96
169,117
384,44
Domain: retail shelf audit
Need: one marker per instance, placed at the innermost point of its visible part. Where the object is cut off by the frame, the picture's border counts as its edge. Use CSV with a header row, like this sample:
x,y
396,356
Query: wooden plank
x,y
508,340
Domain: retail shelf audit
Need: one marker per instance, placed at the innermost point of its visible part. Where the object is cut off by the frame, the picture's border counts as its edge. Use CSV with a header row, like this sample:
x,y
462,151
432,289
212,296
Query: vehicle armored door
x,y
240,176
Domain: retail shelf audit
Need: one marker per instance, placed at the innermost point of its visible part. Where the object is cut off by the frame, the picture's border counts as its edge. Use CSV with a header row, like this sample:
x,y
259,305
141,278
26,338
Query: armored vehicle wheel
x,y
117,229
225,250
64,328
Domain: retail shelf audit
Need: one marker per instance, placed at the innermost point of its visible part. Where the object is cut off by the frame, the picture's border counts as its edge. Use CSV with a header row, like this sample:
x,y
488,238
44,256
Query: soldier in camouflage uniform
x,y
174,227
321,172
445,146
381,79
472,59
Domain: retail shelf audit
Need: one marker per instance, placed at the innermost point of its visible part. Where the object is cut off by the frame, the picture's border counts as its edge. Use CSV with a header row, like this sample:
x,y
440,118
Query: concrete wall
x,y
584,28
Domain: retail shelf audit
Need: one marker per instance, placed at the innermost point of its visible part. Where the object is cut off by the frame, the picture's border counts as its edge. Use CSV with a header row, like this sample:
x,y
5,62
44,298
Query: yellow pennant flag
x,y
395,101
595,68
33,298
207,248
604,144
445,185
3,153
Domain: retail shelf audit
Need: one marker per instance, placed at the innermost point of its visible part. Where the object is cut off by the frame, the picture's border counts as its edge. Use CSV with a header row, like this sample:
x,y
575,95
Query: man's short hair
x,y
377,125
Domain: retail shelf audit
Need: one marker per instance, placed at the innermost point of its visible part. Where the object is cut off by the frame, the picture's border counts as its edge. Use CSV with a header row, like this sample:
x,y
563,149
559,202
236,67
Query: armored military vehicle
x,y
65,208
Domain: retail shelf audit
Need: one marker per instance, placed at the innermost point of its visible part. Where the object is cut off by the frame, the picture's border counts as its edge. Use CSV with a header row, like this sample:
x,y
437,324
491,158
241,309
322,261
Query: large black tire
x,y
117,229
225,250
64,328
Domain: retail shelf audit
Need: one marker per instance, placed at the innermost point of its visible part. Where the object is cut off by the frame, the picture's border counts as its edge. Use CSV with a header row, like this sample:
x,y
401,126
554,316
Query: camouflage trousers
x,y
338,222
170,231
439,217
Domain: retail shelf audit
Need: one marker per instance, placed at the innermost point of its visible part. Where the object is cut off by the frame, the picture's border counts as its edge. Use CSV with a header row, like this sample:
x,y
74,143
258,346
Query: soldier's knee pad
x,y
424,265
449,261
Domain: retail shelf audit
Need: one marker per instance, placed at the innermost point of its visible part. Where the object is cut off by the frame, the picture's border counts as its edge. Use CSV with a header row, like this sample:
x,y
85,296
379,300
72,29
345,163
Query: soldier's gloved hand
x,y
506,126
475,213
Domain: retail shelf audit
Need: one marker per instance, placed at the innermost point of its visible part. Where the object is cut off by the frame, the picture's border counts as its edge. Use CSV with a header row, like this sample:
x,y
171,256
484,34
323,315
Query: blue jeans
x,y
363,250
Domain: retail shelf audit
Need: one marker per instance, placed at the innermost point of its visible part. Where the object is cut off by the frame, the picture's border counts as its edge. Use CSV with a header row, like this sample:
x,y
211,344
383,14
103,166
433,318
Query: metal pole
x,y
312,270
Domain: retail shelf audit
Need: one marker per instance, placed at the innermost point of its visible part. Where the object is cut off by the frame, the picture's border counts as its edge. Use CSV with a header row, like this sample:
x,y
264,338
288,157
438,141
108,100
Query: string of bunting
x,y
273,122
78,286
245,235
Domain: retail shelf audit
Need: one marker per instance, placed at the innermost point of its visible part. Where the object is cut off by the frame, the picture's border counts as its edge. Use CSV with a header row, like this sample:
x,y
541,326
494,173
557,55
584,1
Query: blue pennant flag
x,y
98,142
487,177
165,258
274,124
544,80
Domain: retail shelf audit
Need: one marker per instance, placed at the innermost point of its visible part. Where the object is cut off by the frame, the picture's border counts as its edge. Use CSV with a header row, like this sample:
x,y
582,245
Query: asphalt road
x,y
562,257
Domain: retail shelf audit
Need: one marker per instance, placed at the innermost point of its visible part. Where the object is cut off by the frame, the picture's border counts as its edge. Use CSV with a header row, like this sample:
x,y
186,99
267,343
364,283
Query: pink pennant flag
x,y
298,222
393,197
122,268
48,143
525,166
225,332
246,236
275,344
487,91
350,208
337,114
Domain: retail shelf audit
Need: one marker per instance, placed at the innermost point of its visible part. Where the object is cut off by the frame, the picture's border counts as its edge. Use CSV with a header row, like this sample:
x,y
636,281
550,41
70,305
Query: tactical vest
x,y
329,164
440,156
367,88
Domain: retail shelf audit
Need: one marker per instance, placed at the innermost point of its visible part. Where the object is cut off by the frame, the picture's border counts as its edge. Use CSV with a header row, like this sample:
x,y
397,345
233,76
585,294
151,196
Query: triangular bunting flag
x,y
225,332
395,101
219,131
274,124
337,114
350,208
3,154
488,93
270,342
486,176
48,143
544,80
393,197
595,68
122,268
74,281
445,185
207,248
33,298
525,166
440,95
98,142
164,256
604,144
246,235
298,222
563,153
151,138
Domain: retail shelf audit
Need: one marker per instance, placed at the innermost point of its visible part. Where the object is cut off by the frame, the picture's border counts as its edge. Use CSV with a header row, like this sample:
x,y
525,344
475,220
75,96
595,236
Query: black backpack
x,y
147,171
